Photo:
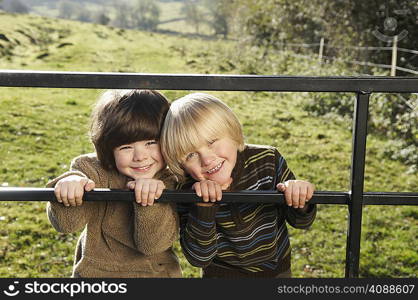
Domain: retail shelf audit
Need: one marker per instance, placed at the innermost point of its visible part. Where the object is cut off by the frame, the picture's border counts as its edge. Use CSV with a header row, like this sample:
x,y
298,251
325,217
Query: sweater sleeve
x,y
156,227
73,218
198,233
296,217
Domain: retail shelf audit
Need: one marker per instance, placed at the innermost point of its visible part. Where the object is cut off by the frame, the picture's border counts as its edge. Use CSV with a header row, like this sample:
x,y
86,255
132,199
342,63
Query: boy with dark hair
x,y
120,239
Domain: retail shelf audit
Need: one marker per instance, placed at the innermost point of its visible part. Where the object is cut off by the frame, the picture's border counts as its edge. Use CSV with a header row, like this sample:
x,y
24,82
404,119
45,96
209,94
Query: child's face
x,y
213,161
138,160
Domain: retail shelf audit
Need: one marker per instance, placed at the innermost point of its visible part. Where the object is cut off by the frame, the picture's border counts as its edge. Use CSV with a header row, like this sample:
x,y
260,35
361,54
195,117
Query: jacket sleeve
x,y
296,217
156,227
198,233
73,218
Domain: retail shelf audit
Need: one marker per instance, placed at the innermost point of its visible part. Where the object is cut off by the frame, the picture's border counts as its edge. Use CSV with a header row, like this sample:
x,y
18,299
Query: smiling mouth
x,y
215,169
143,168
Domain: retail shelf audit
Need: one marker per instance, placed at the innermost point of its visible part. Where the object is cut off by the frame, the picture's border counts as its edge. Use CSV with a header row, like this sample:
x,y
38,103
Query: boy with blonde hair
x,y
203,144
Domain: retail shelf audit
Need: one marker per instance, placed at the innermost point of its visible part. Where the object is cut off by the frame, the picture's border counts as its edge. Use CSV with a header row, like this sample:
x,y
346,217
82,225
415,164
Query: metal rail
x,y
319,197
90,80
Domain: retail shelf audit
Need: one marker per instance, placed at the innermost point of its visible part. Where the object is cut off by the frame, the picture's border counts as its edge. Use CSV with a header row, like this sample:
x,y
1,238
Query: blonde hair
x,y
193,121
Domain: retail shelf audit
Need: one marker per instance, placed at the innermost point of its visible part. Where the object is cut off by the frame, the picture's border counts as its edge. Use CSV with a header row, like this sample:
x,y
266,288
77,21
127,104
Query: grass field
x,y
41,130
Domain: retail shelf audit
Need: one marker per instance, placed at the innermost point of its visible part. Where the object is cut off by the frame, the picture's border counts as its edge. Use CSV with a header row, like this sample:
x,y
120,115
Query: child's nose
x,y
140,155
207,158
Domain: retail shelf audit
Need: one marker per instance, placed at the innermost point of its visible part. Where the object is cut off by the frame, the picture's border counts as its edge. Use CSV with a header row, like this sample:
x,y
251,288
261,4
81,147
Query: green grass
x,y
41,130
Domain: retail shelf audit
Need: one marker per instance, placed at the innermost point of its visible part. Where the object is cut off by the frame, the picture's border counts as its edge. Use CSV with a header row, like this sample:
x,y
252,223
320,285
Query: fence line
x,y
342,60
347,47
394,48
355,62
366,63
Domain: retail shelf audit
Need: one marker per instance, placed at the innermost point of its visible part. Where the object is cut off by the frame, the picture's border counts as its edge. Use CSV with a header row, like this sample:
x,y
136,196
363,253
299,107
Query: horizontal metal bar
x,y
54,79
319,197
47,194
386,198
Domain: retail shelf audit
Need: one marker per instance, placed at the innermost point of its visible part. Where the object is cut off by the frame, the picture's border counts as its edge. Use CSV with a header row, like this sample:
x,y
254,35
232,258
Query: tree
x,y
67,9
342,23
83,16
268,22
193,13
100,18
146,15
220,14
15,6
123,15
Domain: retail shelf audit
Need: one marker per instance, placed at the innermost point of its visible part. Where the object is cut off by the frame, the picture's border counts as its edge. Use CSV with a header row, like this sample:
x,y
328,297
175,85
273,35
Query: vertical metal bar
x,y
361,111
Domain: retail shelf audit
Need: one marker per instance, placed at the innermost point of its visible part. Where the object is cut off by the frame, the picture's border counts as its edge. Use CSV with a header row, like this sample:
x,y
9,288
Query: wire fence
x,y
321,47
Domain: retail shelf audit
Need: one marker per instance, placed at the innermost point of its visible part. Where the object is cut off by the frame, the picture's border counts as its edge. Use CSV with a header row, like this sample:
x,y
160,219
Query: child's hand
x,y
208,190
69,190
296,192
146,190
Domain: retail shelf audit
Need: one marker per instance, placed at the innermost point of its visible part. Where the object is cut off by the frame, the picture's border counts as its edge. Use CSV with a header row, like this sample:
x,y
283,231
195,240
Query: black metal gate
x,y
355,198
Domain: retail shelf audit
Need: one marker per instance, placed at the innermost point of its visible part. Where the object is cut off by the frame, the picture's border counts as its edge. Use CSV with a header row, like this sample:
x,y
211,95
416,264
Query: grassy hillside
x,y
41,130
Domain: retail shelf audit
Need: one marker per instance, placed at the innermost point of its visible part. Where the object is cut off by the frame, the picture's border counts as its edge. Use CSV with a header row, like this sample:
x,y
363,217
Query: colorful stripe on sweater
x,y
246,237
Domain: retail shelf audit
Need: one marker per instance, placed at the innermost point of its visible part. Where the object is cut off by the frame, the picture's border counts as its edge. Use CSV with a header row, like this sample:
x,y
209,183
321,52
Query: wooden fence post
x,y
394,56
321,50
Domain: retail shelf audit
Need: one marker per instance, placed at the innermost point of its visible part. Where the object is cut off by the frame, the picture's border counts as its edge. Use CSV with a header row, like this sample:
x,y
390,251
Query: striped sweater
x,y
243,239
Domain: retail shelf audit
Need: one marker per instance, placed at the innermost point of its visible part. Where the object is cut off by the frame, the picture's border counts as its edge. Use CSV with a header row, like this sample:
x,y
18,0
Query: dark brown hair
x,y
123,117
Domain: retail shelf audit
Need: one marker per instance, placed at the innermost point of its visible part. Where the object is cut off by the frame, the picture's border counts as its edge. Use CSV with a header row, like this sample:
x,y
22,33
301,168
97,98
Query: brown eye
x,y
152,142
126,147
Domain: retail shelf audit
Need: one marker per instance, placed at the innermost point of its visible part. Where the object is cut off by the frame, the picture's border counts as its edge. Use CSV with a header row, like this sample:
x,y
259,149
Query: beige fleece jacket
x,y
119,239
